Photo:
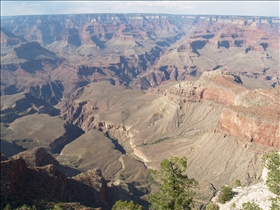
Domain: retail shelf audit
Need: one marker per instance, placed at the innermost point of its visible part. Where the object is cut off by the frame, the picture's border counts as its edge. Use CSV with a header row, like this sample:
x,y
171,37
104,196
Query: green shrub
x,y
57,206
225,194
24,207
8,207
275,205
125,205
250,206
33,207
212,206
238,183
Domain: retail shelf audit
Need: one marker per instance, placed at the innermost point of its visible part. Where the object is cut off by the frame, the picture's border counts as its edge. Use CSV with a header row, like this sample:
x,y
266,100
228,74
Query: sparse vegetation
x,y
250,206
155,142
8,207
21,206
24,207
237,183
57,206
272,163
125,205
275,203
175,185
212,206
225,194
33,207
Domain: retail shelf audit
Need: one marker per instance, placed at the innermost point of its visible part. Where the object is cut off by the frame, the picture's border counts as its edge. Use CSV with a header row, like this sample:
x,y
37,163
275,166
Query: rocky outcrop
x,y
94,179
247,115
217,86
21,184
254,128
30,65
8,41
21,104
37,157
258,193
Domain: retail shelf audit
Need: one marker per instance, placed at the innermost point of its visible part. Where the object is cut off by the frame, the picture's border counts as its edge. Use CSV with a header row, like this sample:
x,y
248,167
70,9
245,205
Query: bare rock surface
x,y
132,50
257,193
8,41
188,119
21,104
92,150
37,157
48,184
40,130
126,176
10,148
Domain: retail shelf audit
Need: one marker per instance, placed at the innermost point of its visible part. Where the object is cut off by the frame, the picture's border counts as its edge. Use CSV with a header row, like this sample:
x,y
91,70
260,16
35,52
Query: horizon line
x,y
143,14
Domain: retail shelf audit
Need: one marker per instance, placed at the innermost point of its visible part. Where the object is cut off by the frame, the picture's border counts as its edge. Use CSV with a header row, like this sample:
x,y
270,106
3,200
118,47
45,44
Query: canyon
x,y
92,101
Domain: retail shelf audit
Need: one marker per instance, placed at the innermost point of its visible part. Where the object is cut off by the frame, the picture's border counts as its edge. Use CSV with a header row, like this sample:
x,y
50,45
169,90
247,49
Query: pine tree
x,y
125,205
175,185
272,163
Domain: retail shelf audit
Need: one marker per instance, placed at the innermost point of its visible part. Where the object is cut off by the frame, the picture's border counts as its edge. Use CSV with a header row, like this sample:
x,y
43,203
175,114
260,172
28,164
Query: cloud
x,y
257,8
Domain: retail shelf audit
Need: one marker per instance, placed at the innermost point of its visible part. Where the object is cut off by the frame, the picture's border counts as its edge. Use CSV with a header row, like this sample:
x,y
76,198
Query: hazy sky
x,y
250,8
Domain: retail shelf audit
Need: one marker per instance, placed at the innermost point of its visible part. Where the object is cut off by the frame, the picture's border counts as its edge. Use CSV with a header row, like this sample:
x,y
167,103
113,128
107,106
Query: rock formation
x,y
49,185
21,104
189,119
137,51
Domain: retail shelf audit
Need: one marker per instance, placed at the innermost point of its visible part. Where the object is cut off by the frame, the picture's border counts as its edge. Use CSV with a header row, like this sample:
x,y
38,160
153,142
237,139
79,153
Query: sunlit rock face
x,y
258,193
140,51
192,118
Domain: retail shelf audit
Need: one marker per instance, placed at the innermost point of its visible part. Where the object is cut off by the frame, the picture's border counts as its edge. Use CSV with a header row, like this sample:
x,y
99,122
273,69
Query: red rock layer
x,y
253,129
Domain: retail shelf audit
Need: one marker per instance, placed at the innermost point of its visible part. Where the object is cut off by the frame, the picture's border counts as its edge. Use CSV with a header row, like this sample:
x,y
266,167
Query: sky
x,y
245,8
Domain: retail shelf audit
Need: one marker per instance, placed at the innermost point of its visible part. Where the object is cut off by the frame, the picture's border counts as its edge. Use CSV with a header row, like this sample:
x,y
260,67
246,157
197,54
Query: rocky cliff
x,y
139,51
49,185
251,114
193,119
